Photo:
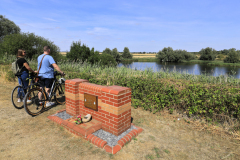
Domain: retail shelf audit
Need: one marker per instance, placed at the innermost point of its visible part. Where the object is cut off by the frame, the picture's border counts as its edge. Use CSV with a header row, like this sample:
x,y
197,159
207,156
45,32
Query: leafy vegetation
x,y
233,57
7,27
126,53
208,54
78,52
114,53
30,42
194,94
169,55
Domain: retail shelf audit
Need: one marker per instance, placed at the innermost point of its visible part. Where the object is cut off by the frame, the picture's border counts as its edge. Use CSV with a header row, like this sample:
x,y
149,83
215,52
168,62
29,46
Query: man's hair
x,y
46,48
20,52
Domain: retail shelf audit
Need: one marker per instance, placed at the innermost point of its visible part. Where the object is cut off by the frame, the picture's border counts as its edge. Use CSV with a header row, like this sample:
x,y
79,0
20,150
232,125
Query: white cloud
x,y
50,19
98,31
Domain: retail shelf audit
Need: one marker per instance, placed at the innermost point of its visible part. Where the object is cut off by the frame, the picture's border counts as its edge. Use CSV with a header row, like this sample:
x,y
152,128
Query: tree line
x,y
12,39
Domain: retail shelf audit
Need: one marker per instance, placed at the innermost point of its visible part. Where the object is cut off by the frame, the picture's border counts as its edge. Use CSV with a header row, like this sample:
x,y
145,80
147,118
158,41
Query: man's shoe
x,y
29,101
19,100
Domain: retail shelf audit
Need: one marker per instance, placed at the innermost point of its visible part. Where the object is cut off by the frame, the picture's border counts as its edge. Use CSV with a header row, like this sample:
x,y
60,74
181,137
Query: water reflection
x,y
190,68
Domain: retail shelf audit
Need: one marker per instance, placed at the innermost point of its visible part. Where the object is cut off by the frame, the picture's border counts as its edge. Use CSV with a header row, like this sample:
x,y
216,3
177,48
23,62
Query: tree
x,y
208,54
31,43
126,53
107,60
7,27
94,58
116,55
78,52
233,56
107,51
165,55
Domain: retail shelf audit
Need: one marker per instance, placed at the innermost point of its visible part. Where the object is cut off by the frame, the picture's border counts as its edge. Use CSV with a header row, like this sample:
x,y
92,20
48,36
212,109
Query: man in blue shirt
x,y
46,71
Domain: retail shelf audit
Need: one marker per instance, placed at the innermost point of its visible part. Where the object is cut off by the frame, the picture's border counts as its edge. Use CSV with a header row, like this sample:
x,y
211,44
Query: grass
x,y
196,94
26,137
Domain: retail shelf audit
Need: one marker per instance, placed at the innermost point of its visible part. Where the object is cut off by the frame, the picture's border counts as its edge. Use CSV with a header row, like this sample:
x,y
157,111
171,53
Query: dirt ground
x,y
164,137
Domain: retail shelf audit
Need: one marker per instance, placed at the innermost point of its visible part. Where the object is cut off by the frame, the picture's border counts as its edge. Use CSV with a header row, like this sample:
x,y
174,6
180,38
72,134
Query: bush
x,y
107,51
233,57
220,56
94,58
31,43
78,52
208,54
114,53
107,60
126,53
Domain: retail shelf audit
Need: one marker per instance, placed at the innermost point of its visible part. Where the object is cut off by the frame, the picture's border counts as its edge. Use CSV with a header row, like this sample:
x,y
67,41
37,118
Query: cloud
x,y
98,31
50,19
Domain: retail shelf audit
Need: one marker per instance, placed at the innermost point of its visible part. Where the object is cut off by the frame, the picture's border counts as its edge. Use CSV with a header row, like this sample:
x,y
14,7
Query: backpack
x,y
15,67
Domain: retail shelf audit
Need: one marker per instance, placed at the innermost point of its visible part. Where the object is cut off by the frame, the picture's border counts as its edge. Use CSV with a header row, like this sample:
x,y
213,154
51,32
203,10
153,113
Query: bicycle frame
x,y
54,85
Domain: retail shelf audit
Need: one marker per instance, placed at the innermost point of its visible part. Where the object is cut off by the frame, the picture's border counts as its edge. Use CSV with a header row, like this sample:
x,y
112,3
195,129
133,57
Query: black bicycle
x,y
20,91
39,96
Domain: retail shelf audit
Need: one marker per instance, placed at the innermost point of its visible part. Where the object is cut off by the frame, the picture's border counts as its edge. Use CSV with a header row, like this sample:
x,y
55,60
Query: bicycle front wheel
x,y
34,101
17,97
60,94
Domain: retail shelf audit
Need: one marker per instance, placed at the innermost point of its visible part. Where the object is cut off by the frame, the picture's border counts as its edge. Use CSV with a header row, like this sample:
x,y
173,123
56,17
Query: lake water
x,y
190,68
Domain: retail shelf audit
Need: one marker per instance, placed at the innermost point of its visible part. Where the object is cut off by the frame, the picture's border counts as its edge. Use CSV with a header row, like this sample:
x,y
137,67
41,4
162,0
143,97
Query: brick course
x,y
114,104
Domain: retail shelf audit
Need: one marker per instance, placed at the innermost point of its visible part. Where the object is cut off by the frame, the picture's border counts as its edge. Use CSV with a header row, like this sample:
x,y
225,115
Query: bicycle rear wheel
x,y
60,93
38,101
17,97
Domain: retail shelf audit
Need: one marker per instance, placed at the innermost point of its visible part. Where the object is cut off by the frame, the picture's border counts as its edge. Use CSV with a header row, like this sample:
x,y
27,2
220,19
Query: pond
x,y
191,68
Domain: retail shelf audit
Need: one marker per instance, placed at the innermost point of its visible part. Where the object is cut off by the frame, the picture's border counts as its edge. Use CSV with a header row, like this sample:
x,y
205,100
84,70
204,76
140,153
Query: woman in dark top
x,y
24,70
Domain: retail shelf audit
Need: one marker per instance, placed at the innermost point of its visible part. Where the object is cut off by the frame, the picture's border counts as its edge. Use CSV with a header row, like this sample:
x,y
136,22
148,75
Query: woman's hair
x,y
20,52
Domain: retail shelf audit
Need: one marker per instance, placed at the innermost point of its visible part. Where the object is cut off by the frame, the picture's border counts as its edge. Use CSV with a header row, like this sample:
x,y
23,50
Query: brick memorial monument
x,y
109,106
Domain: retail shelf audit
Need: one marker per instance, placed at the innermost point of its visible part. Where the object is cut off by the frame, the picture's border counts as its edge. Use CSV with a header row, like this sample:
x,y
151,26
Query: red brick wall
x,y
114,104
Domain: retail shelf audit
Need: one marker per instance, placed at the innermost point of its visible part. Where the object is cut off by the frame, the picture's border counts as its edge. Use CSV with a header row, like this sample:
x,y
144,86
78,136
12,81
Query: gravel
x,y
63,115
106,136
110,138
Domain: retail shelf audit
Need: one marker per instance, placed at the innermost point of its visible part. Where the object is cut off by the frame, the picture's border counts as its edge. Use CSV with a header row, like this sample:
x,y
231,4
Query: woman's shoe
x,y
86,118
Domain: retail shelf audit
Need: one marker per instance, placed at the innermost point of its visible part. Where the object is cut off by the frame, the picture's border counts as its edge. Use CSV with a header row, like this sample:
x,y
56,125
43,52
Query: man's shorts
x,y
47,82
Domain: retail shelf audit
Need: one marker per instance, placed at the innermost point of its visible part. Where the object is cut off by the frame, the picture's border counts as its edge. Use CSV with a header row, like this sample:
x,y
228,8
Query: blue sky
x,y
139,25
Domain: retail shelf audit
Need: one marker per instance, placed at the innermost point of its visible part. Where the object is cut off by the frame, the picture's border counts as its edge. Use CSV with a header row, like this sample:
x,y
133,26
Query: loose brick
x,y
108,148
116,149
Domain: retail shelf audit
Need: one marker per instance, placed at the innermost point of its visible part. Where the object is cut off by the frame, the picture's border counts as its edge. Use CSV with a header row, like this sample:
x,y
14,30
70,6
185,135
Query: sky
x,y
140,25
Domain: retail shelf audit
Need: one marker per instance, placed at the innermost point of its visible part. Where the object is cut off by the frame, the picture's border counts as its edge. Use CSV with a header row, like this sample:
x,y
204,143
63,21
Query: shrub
x,y
114,53
126,53
233,57
208,54
107,60
78,52
107,51
94,58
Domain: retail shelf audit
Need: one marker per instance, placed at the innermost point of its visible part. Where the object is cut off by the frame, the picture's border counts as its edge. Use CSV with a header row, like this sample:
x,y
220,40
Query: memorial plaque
x,y
91,101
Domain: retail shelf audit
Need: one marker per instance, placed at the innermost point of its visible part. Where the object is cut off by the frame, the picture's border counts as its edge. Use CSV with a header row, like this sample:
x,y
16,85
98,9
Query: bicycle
x,y
19,92
39,97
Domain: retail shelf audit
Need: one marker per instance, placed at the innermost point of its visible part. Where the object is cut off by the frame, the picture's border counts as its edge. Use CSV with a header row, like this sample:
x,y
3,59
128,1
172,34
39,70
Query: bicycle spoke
x,y
37,98
60,94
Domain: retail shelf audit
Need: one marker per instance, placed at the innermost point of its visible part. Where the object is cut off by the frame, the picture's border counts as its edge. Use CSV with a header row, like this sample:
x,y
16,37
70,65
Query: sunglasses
x,y
24,52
